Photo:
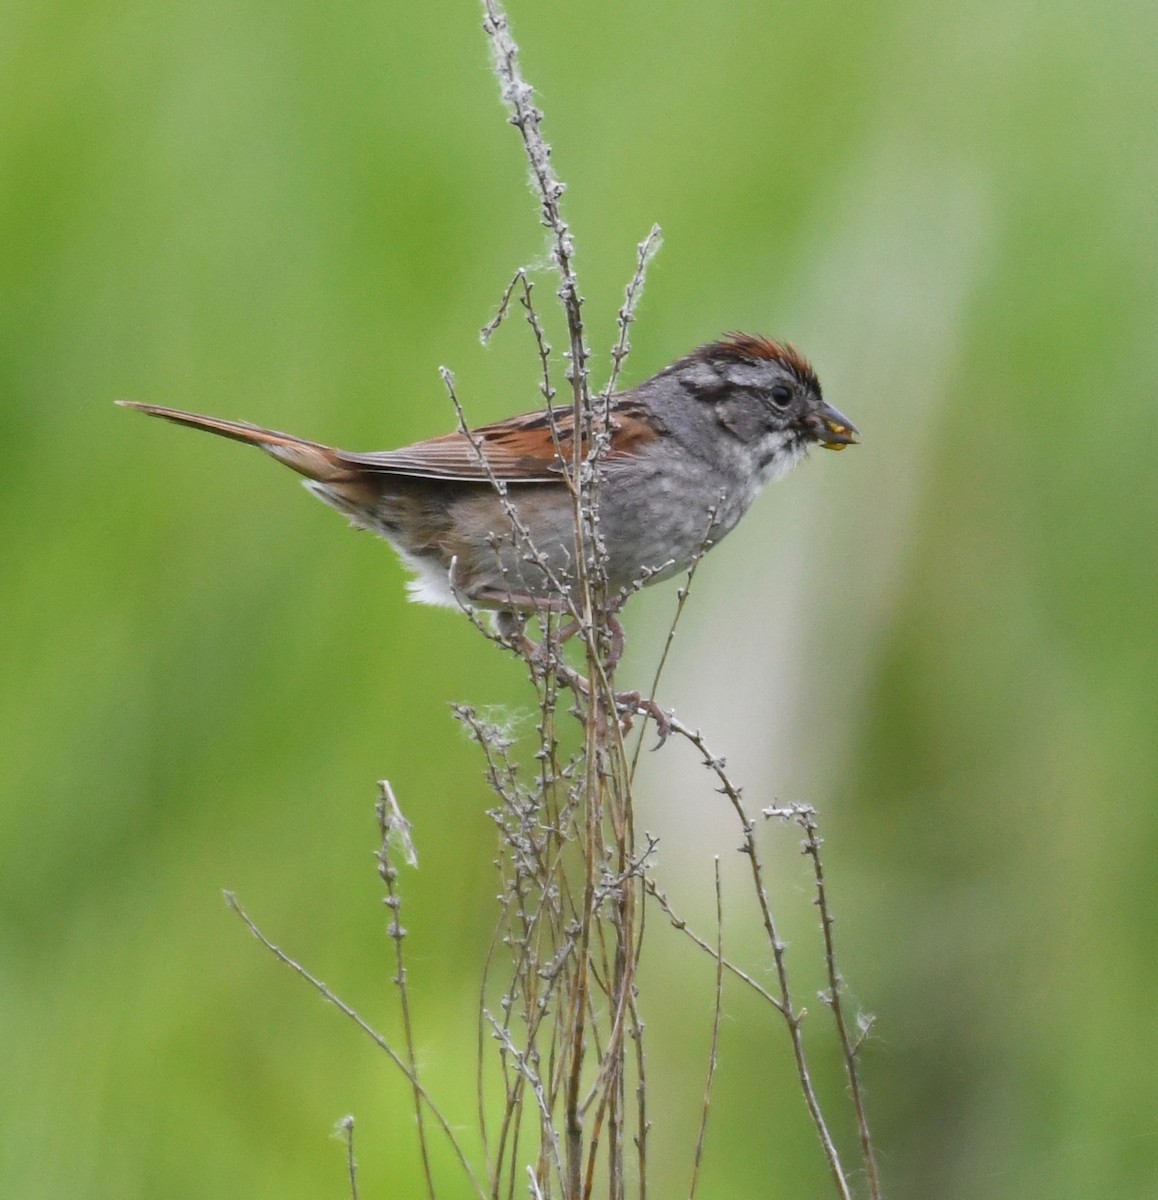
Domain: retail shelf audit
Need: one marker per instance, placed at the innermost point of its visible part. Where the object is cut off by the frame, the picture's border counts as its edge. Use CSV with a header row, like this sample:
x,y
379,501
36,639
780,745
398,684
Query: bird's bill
x,y
836,431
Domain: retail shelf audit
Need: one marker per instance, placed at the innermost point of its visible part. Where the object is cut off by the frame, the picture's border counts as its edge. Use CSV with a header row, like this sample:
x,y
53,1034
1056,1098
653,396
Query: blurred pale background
x,y
944,639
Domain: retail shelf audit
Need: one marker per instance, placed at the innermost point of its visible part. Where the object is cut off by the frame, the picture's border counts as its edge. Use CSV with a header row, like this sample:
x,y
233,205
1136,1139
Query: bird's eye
x,y
781,395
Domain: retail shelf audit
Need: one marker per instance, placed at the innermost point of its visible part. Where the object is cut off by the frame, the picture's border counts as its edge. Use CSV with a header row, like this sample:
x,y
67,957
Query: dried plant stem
x,y
528,120
652,889
595,932
713,1056
642,1124
645,252
379,1040
793,1017
526,287
536,1191
681,603
346,1125
526,1069
805,817
576,1035
518,527
394,827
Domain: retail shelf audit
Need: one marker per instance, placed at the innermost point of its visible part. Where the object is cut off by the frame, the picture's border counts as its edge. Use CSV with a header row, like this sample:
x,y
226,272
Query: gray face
x,y
752,417
769,411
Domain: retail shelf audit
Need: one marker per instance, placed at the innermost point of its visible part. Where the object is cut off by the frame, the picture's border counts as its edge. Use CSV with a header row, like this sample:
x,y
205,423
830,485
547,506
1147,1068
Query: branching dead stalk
x,y
793,1017
561,1082
571,872
805,816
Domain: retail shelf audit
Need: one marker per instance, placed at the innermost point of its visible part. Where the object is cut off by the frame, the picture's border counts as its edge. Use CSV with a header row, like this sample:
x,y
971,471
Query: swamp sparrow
x,y
488,518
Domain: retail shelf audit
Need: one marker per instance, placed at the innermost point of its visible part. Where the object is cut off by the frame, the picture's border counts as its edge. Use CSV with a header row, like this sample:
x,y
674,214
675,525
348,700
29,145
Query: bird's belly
x,y
470,545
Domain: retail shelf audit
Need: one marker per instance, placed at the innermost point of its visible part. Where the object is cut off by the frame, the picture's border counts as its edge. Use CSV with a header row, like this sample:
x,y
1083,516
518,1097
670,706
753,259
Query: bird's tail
x,y
311,459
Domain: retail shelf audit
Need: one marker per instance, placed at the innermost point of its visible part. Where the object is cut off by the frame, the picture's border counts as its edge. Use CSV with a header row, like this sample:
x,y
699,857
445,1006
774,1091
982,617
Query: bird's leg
x,y
628,705
510,623
631,704
618,641
513,610
511,626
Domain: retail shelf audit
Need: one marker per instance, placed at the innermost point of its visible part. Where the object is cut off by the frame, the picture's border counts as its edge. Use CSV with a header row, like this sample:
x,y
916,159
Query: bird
x,y
487,517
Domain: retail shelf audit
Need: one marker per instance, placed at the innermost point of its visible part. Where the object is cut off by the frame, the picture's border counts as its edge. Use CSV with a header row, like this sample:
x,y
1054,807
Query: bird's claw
x,y
630,704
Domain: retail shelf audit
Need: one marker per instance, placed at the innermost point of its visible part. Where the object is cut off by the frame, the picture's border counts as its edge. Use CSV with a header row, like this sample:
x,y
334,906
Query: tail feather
x,y
310,459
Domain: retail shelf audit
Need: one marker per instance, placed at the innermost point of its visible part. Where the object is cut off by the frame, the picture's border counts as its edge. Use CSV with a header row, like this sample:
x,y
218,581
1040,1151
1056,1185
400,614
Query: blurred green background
x,y
293,213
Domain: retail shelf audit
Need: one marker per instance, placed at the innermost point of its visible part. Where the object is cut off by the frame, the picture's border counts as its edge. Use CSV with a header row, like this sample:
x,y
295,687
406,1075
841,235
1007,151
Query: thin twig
x,y
793,1018
679,923
346,1128
536,1191
713,1055
682,594
519,279
378,1039
642,1122
395,830
645,252
518,95
521,532
526,286
524,1067
805,816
